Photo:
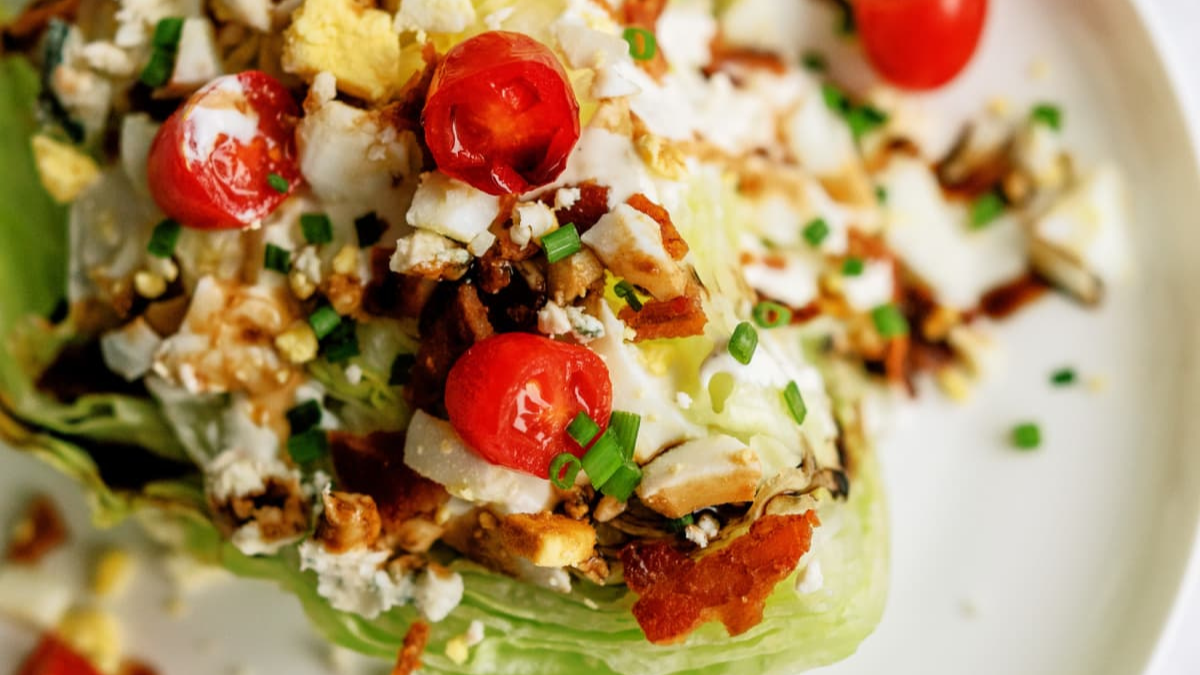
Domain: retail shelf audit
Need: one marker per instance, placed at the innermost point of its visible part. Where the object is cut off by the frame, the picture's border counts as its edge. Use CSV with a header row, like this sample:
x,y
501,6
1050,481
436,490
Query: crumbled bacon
x,y
587,210
396,295
677,594
452,321
39,531
280,510
409,658
726,56
680,317
675,245
349,521
1004,301
373,464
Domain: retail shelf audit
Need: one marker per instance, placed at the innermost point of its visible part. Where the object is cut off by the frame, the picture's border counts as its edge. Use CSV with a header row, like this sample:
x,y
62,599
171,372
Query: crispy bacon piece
x,y
680,317
674,243
349,521
452,321
396,295
39,531
589,208
409,658
733,57
1006,300
373,465
677,594
645,14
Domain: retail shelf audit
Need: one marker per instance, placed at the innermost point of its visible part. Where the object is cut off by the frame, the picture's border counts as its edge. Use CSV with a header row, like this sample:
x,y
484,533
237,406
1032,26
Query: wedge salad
x,y
515,337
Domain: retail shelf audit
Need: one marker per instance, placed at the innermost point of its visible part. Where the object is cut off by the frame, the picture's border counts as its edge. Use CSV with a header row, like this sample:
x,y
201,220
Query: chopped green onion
x,y
1048,114
795,402
583,429
568,462
317,228
304,416
278,259
628,293
342,343
1027,436
889,321
881,194
402,369
308,446
815,62
1063,377
278,183
678,525
816,231
864,119
561,243
603,460
621,485
163,240
853,267
835,100
158,69
771,314
743,342
370,229
642,44
986,208
167,33
324,320
625,426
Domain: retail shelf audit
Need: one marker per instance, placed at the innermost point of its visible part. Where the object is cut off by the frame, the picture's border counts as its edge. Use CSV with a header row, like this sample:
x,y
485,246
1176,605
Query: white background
x,y
1180,21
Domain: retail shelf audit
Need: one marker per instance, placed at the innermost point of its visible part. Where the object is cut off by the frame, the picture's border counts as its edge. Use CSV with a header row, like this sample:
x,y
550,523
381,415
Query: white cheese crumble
x,y
129,350
423,249
356,581
435,16
354,374
555,320
436,593
874,287
451,208
565,198
531,221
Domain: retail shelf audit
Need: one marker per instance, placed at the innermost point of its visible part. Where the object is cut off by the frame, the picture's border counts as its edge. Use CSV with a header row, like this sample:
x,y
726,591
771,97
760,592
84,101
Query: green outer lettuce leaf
x,y
531,631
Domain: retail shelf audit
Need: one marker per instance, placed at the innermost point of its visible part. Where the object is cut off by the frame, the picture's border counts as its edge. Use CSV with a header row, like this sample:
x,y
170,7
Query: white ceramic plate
x,y
1062,561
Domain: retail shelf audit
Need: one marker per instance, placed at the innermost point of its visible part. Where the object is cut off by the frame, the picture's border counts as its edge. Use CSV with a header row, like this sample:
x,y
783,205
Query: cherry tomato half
x,y
920,44
512,396
500,114
52,657
227,158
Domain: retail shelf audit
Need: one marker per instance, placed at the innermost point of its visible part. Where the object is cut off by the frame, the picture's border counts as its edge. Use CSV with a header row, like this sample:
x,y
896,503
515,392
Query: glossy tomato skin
x,y
52,657
920,44
210,164
512,396
500,114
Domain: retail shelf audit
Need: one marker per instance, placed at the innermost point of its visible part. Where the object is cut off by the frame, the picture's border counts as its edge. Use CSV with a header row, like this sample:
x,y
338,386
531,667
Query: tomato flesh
x,y
500,114
920,44
512,396
227,157
52,657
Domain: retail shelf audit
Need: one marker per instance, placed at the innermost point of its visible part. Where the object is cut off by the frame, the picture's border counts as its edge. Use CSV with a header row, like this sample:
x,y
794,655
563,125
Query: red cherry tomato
x,y
227,158
52,657
920,44
512,396
500,114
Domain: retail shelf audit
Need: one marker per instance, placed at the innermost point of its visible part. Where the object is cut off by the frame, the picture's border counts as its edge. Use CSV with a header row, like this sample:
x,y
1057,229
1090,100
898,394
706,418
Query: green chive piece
x,y
835,100
642,43
795,402
1027,436
625,426
815,62
370,229
167,33
304,416
278,183
1063,377
986,208
1048,114
277,259
561,243
889,321
401,372
163,239
342,344
603,459
628,293
583,429
317,228
624,481
743,342
324,320
308,446
678,525
864,119
853,267
771,315
158,69
881,194
816,231
564,462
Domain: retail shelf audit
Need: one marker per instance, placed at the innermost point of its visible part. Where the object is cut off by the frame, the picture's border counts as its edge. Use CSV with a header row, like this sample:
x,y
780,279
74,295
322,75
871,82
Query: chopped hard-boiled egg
x,y
351,39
